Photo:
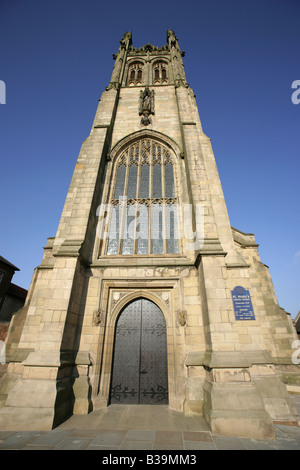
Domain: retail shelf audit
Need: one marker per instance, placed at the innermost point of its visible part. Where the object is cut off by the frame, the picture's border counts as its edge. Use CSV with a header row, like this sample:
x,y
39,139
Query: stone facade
x,y
60,348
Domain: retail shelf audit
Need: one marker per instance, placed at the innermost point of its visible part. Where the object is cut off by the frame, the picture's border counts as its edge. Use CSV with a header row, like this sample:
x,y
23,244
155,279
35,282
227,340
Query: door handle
x,y
143,371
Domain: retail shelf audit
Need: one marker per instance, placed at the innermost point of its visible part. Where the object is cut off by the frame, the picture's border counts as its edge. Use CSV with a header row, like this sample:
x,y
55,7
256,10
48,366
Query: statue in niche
x,y
146,105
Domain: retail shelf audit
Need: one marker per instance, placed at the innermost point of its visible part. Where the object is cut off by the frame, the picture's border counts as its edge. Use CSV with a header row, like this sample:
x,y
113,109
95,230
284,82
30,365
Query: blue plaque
x,y
242,304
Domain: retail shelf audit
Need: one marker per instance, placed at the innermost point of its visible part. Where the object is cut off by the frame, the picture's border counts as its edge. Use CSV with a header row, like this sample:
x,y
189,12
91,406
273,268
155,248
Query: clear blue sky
x,y
241,59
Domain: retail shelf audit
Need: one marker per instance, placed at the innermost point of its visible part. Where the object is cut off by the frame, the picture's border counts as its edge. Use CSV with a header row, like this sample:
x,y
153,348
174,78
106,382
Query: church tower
x,y
147,295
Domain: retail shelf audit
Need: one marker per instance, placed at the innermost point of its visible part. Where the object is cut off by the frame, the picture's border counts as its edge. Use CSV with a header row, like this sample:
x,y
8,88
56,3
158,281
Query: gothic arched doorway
x,y
139,373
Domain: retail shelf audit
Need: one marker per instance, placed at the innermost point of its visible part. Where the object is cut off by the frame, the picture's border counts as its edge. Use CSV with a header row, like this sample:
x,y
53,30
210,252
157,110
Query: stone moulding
x,y
245,240
54,359
232,359
69,248
212,246
119,146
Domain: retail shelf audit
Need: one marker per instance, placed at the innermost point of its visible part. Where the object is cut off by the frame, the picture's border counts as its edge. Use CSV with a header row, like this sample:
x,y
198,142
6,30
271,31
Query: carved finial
x,y
126,38
172,39
149,47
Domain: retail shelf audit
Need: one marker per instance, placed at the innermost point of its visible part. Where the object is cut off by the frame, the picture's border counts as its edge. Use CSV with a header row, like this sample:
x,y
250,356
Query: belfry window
x,y
135,74
160,73
143,205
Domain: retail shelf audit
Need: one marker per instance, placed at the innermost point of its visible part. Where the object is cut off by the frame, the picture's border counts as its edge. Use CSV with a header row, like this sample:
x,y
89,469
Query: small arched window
x,y
160,73
143,204
135,74
132,75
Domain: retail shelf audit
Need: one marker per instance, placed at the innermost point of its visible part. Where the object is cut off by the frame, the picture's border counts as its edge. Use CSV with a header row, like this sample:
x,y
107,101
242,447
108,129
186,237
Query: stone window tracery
x,y
160,73
143,204
135,74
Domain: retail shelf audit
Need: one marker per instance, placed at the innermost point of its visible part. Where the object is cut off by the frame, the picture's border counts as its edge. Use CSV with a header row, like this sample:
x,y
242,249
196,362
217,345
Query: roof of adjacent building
x,y
3,260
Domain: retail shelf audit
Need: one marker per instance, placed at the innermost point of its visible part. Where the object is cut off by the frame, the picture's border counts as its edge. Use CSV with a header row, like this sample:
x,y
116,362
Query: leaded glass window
x,y
156,181
119,188
160,73
135,74
144,181
132,181
143,204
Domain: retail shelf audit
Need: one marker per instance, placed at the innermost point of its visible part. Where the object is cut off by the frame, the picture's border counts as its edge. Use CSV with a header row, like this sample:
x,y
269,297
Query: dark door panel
x,y
139,373
153,373
126,367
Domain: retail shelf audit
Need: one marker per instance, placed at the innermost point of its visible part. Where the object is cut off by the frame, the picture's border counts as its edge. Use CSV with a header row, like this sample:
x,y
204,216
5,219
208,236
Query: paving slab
x,y
228,443
19,440
168,438
136,428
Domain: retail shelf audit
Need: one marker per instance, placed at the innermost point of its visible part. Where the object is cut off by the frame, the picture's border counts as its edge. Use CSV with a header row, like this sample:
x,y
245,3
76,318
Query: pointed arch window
x,y
135,74
160,73
143,204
